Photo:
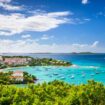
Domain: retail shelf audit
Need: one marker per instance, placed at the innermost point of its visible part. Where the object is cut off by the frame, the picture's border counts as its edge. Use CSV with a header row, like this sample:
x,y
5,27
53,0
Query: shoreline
x,y
32,66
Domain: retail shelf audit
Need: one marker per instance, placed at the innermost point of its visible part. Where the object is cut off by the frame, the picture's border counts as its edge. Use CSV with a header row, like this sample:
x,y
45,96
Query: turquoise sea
x,y
85,67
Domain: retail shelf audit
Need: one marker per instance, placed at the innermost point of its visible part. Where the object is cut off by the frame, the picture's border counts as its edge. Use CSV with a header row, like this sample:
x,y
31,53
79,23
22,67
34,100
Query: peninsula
x,y
17,61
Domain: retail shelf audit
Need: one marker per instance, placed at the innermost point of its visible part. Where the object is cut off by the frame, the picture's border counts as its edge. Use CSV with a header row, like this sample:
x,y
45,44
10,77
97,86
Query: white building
x,y
1,58
17,61
18,75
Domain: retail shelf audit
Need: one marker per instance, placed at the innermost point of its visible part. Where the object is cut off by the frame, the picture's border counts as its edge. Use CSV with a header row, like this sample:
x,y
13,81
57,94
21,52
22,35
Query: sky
x,y
56,26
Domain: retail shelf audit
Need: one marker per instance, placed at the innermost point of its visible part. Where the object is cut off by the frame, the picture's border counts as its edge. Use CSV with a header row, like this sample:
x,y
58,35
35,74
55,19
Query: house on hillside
x,y
1,59
17,61
17,75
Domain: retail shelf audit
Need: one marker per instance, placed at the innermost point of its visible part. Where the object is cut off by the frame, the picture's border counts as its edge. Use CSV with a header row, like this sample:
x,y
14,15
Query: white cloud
x,y
5,1
56,14
32,46
80,45
101,13
95,44
17,23
46,37
80,21
26,36
7,6
84,1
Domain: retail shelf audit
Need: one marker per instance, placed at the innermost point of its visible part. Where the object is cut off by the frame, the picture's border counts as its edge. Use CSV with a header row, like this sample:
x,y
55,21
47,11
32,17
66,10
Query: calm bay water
x,y
85,67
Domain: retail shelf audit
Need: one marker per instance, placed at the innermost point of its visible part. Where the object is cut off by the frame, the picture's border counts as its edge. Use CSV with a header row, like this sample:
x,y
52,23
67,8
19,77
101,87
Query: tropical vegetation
x,y
54,93
48,62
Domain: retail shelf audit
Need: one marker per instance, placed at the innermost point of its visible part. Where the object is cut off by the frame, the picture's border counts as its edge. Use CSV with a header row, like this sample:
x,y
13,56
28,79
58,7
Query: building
x,y
1,70
1,59
17,75
16,61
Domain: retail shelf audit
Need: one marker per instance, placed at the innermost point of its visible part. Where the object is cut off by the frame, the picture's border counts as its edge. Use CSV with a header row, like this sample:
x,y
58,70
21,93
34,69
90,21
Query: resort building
x,y
1,59
17,75
1,70
17,61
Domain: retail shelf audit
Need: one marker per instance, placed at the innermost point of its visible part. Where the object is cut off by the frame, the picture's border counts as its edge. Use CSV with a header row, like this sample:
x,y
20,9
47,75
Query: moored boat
x,y
72,77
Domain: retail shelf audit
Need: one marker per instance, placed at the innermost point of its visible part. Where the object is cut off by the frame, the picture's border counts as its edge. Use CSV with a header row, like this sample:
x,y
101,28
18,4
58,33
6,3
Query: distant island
x,y
84,53
50,53
17,61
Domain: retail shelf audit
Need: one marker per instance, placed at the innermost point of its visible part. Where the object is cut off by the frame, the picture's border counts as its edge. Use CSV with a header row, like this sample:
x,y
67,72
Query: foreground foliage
x,y
54,93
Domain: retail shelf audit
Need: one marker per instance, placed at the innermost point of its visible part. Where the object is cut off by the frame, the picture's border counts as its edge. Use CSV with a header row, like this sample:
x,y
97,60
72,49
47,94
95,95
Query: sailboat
x,y
83,75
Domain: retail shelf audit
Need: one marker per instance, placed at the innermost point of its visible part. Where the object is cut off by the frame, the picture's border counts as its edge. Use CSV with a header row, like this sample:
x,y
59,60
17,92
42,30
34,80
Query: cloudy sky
x,y
52,26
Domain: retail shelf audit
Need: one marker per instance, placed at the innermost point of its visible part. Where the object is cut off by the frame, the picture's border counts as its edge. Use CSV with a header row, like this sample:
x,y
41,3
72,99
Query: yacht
x,y
83,75
55,74
62,77
72,77
92,74
97,72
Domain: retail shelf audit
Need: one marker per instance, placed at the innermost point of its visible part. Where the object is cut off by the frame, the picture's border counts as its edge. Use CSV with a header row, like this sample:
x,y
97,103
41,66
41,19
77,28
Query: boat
x,y
92,74
46,69
55,74
62,77
38,70
72,77
47,74
50,76
97,72
83,75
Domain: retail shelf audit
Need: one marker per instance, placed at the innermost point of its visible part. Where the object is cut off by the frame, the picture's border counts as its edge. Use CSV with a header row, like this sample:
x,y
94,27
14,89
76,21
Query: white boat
x,y
55,74
72,77
50,76
62,77
46,69
92,74
83,75
97,72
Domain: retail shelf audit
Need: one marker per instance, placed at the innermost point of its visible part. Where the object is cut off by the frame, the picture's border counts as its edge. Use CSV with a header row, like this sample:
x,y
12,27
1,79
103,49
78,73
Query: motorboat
x,y
97,72
55,73
62,77
72,77
92,74
83,75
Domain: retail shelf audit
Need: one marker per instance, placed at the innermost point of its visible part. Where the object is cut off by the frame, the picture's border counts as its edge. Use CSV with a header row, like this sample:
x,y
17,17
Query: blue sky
x,y
52,26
